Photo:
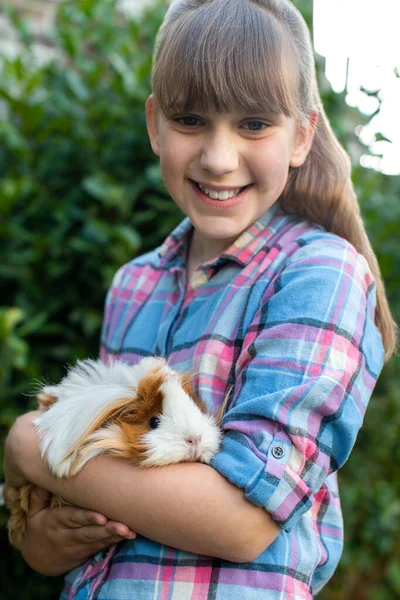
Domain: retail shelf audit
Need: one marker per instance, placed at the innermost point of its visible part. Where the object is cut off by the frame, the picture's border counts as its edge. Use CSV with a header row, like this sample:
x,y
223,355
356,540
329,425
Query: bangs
x,y
225,56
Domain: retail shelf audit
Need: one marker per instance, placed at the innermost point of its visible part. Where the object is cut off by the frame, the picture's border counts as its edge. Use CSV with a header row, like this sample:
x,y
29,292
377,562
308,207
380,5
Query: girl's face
x,y
224,170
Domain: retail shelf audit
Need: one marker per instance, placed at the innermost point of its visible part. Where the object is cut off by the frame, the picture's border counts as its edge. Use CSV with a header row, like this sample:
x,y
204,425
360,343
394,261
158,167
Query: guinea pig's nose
x,y
194,440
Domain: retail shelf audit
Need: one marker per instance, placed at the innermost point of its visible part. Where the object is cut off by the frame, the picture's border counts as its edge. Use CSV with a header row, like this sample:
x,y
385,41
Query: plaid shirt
x,y
285,316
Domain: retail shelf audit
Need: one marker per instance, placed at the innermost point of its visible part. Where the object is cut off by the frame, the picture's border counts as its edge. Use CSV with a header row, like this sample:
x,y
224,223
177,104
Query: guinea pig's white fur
x,y
185,432
89,393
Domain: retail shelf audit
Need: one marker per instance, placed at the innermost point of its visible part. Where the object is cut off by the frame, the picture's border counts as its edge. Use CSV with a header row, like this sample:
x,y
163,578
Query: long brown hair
x,y
256,56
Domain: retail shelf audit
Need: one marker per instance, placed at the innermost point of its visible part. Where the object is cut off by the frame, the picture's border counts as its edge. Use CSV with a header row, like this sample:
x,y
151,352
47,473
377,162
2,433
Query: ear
x,y
47,396
304,139
153,124
149,395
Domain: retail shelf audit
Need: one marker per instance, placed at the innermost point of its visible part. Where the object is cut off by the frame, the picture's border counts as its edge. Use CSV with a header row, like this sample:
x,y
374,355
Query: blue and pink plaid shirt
x,y
285,317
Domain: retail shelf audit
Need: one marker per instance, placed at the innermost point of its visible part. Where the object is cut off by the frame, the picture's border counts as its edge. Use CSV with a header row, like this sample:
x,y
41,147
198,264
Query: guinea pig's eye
x,y
154,422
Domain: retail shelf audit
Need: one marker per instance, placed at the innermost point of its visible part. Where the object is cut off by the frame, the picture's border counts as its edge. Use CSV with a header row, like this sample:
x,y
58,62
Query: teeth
x,y
224,195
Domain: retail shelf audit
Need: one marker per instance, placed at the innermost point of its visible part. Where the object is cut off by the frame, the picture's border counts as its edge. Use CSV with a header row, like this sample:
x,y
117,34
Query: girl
x,y
269,287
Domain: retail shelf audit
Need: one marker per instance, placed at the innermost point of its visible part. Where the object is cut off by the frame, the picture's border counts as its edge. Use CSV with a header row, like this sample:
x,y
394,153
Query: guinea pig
x,y
146,413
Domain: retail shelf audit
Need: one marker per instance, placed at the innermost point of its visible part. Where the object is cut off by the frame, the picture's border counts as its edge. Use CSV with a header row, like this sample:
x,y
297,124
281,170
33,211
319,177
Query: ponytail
x,y
321,191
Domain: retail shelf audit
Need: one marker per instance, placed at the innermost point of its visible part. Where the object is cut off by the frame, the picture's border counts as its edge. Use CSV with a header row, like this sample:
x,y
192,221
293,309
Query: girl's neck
x,y
204,249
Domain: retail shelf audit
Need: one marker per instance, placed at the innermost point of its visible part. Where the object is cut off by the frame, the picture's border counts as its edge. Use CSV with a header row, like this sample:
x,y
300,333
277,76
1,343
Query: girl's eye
x,y
188,121
154,422
255,125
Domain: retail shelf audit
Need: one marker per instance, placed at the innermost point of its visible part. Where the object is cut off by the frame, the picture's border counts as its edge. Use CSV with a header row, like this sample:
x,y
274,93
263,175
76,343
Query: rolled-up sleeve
x,y
307,367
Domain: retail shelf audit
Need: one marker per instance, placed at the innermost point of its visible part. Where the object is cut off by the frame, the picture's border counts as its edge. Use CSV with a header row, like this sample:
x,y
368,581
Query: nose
x,y
194,440
219,154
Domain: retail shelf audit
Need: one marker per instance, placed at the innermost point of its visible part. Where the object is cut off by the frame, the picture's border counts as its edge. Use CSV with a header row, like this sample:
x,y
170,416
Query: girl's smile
x,y
224,170
220,197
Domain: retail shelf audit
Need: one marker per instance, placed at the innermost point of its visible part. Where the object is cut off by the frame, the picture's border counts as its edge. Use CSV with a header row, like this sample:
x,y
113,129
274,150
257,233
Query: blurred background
x,y
81,194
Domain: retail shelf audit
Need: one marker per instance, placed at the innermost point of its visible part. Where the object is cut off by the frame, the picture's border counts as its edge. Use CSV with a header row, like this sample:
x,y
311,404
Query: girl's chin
x,y
215,232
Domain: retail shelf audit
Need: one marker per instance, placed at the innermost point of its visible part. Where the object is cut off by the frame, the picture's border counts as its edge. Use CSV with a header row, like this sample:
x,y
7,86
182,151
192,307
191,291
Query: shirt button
x,y
277,452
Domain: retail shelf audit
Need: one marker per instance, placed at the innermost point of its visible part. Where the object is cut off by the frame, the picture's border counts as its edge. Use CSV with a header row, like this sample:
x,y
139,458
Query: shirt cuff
x,y
267,477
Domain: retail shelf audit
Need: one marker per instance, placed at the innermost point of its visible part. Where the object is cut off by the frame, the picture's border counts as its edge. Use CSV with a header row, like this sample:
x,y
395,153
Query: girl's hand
x,y
60,539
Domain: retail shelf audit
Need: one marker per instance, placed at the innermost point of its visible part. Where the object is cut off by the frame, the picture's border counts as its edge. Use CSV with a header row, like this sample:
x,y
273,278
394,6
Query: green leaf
x,y
379,137
102,187
9,318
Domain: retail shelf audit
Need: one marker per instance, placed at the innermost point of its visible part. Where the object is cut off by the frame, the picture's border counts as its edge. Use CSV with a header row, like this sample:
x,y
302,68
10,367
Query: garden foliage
x,y
81,193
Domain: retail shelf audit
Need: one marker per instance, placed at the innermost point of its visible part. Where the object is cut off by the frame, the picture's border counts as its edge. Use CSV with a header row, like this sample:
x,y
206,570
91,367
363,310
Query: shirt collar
x,y
173,251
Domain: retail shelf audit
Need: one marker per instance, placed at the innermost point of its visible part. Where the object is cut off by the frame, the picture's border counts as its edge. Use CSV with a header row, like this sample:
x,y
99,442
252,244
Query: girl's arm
x,y
305,372
189,506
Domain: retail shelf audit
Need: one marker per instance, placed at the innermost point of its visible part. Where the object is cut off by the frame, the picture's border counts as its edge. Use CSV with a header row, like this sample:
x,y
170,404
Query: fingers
x,y
116,528
93,538
94,534
91,545
72,517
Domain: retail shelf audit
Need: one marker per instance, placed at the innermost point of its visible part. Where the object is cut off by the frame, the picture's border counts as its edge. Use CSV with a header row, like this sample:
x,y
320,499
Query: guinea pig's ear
x,y
149,393
47,396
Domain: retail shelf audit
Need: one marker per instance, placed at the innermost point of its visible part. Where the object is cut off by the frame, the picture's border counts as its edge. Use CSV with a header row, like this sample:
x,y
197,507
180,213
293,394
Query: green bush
x,y
80,191
81,194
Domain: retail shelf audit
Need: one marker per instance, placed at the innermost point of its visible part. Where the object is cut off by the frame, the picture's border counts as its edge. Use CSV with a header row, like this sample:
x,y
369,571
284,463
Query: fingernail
x,y
121,531
130,535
